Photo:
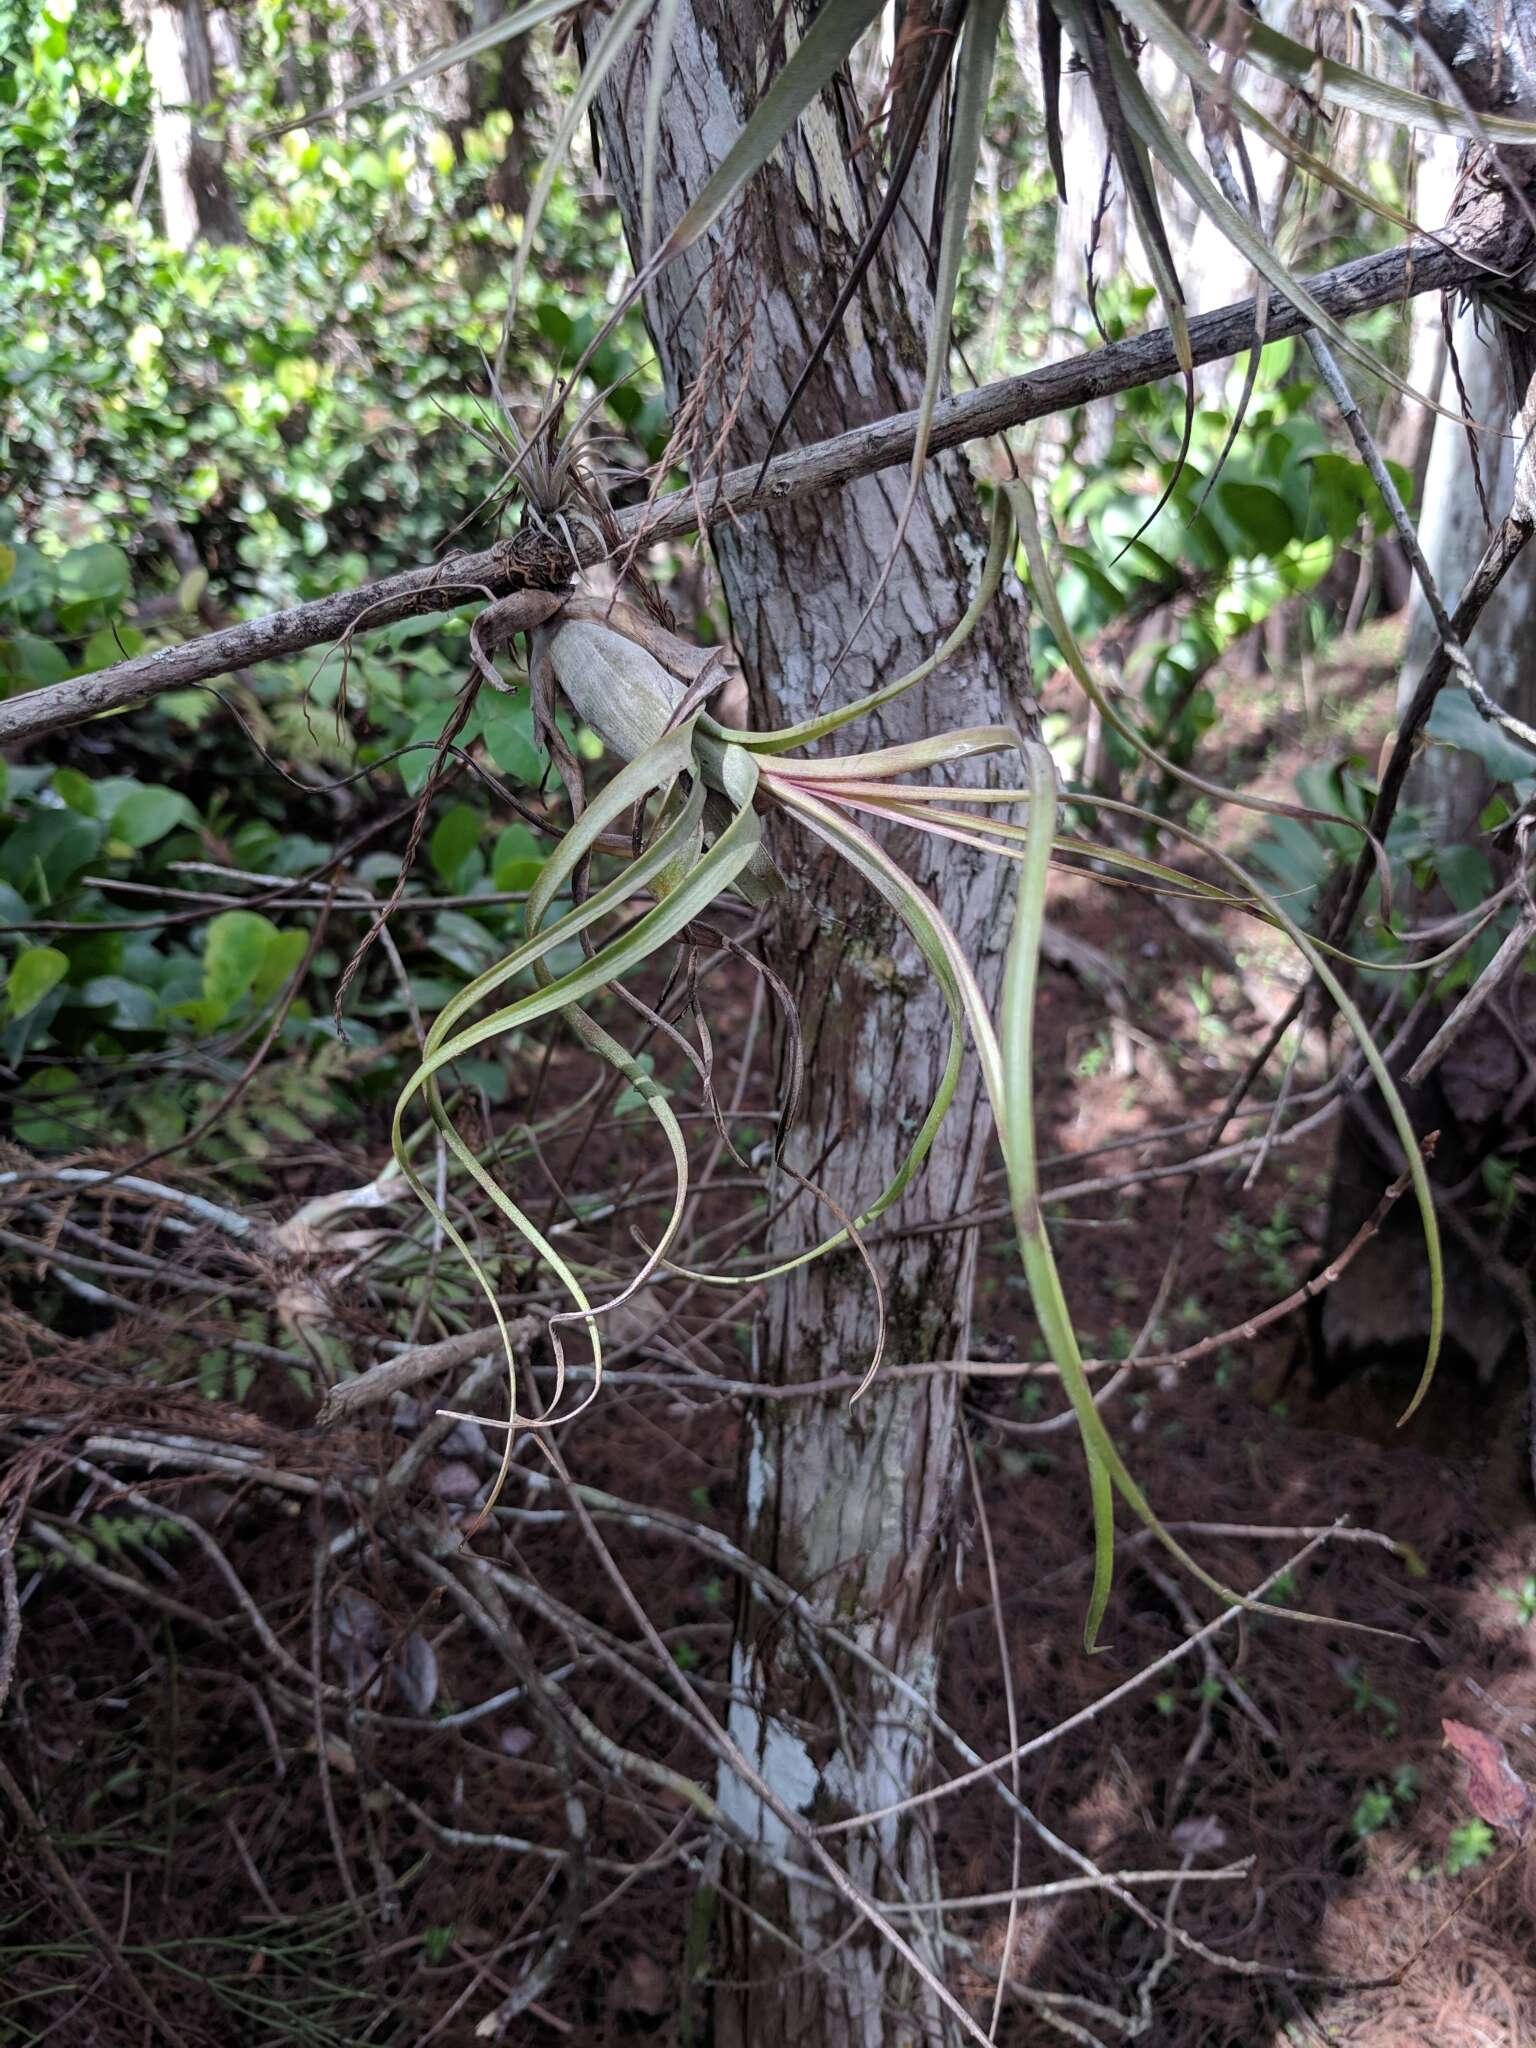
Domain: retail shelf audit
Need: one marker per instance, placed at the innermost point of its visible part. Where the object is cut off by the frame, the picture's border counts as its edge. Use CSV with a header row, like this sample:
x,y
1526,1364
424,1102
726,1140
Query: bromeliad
x,y
695,791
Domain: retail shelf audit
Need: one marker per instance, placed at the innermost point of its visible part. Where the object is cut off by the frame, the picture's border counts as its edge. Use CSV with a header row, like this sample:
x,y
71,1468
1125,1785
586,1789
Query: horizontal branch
x,y
1486,238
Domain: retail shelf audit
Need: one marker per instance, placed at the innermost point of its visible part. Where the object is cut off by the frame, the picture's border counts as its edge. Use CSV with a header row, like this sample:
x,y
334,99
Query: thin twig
x,y
394,1375
32,1822
1488,983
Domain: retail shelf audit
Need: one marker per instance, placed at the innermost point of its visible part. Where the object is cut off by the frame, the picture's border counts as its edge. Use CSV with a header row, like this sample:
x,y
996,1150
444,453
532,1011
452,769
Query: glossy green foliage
x,y
1237,538
295,399
123,1013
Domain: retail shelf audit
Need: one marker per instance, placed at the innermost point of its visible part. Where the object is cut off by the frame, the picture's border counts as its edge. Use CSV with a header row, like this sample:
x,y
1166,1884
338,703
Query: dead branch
x,y
394,1375
1486,238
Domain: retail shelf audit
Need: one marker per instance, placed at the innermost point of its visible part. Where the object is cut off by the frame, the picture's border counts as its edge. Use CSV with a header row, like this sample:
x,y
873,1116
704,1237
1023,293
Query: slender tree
x,y
854,1507
195,199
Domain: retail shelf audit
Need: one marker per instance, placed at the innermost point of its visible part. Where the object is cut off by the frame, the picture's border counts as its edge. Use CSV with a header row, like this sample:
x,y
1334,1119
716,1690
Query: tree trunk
x,y
195,199
1380,1317
853,1506
1448,784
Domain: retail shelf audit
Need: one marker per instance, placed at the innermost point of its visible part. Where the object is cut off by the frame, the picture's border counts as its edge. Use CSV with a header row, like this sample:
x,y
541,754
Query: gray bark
x,y
1412,431
1490,54
1487,47
195,199
1448,784
1382,1315
854,1506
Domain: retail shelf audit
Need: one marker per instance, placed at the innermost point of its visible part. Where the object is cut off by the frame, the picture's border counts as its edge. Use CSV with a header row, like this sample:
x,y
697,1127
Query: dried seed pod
x,y
628,698
613,685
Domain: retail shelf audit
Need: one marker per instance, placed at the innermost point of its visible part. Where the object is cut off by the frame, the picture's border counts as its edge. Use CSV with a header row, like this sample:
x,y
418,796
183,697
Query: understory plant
x,y
693,794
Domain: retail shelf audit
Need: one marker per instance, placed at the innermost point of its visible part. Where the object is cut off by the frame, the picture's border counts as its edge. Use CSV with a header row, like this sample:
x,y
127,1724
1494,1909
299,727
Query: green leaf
x,y
49,1110
28,570
99,574
234,954
453,841
148,814
30,659
1457,722
462,942
76,790
518,860
1338,495
1464,875
131,1006
187,707
33,973
42,855
1261,513
108,644
508,733
416,763
279,964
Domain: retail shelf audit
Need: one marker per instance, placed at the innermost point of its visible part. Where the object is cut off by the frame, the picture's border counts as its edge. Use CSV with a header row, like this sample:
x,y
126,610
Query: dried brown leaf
x,y
1495,1790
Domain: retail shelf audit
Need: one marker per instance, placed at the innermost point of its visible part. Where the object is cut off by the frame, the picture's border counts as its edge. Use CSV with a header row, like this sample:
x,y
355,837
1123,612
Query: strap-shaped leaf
x,y
705,876
1048,41
1153,24
1003,1076
1043,587
663,36
973,87
940,36
464,51
1106,64
1015,1113
934,809
1345,86
617,30
1100,47
1174,152
1312,951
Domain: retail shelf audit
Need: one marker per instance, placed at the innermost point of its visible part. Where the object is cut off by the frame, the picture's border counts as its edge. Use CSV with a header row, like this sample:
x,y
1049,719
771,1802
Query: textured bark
x,y
1490,50
1488,47
195,199
1450,785
1411,434
853,1506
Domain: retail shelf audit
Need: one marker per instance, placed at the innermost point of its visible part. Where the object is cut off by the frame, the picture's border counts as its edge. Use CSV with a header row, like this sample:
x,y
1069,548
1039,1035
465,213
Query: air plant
x,y
547,470
694,791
